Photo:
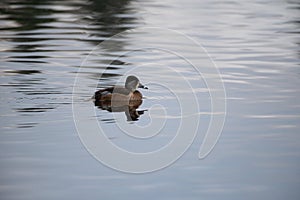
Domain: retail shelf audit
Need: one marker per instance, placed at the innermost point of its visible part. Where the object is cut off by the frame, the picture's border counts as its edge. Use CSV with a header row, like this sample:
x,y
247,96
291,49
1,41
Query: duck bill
x,y
142,86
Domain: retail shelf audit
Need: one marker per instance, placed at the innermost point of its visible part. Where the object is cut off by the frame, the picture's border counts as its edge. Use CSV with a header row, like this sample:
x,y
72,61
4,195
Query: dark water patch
x,y
29,57
16,85
39,92
117,62
26,61
108,121
24,72
33,109
26,125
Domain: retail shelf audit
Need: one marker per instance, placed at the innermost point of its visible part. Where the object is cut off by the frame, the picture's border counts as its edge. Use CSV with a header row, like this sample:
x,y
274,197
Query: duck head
x,y
132,83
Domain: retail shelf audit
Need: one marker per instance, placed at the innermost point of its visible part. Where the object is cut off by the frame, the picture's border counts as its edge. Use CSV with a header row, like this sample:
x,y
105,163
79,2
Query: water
x,y
255,45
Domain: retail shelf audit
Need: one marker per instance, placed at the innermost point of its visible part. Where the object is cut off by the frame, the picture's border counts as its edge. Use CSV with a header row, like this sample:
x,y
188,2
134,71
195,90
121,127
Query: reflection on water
x,y
255,45
130,109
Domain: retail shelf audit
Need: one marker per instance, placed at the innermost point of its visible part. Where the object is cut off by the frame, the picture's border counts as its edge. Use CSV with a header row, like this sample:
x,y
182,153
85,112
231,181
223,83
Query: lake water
x,y
50,48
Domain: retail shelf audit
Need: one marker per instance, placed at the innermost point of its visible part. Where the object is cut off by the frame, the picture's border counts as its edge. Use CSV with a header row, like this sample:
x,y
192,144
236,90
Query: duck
x,y
118,96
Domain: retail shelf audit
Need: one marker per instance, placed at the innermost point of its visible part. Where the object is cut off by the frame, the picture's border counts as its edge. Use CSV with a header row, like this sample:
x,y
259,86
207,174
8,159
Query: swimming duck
x,y
120,95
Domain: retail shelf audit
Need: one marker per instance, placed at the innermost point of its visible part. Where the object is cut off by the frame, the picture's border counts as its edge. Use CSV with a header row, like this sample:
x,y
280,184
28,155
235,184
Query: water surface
x,y
255,45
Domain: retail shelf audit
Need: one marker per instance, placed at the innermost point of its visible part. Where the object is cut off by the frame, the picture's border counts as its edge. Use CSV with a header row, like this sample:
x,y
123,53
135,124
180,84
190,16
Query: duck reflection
x,y
122,99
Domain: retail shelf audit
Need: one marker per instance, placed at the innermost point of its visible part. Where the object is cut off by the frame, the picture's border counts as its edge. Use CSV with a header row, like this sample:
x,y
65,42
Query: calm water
x,y
255,45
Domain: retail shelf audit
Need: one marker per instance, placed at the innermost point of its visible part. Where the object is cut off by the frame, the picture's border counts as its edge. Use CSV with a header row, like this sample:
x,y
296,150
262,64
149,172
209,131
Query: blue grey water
x,y
255,45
